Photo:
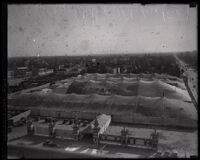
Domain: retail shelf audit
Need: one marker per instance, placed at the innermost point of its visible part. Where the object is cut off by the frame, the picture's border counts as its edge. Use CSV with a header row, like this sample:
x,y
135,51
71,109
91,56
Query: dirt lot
x,y
168,140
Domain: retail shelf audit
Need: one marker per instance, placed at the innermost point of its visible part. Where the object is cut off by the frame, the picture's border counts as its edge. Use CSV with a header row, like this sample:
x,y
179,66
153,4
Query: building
x,y
10,74
60,67
44,71
93,60
66,130
62,71
21,72
116,70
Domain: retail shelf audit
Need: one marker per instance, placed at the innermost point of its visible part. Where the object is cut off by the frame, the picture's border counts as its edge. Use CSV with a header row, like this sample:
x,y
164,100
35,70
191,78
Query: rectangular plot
x,y
42,131
111,138
139,142
118,138
103,137
131,141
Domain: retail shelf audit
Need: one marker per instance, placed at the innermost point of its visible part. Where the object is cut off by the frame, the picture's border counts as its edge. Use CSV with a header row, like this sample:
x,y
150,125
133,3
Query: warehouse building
x,y
64,130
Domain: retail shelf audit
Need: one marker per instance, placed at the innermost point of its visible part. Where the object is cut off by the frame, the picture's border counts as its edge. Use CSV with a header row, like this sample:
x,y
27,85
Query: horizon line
x,y
103,54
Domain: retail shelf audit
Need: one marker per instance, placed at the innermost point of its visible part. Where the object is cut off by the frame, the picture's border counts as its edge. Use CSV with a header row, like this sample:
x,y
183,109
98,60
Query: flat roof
x,y
102,120
59,125
22,67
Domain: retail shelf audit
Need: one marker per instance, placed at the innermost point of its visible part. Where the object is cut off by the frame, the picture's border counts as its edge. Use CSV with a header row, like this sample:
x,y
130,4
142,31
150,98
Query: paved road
x,y
191,81
38,151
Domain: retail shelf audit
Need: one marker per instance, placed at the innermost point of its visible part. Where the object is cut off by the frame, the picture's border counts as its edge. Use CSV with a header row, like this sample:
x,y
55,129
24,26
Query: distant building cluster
x,y
32,69
44,71
20,72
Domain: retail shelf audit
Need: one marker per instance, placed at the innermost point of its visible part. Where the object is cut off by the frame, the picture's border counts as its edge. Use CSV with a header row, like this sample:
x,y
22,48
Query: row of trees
x,y
137,64
189,58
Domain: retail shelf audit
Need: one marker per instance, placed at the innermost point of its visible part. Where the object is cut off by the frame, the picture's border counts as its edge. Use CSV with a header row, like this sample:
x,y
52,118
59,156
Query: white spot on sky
x,y
93,30
163,14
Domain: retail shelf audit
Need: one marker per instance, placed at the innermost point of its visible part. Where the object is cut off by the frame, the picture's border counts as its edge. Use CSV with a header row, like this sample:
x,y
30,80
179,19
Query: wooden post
x,y
96,133
155,138
124,136
145,142
51,125
29,126
76,128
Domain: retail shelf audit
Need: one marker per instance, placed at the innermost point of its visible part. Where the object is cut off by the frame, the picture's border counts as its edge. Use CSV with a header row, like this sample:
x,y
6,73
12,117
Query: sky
x,y
89,29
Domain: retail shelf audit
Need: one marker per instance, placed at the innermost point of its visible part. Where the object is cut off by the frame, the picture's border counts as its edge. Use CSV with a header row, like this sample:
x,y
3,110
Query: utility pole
x,y
96,130
163,106
76,125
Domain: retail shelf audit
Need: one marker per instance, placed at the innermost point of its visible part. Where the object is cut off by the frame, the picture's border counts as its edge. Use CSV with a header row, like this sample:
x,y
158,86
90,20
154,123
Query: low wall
x,y
117,118
130,141
41,130
160,121
61,133
106,137
43,112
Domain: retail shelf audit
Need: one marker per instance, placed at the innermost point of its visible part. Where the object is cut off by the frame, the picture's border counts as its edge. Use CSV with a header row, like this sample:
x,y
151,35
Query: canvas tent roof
x,y
114,104
154,88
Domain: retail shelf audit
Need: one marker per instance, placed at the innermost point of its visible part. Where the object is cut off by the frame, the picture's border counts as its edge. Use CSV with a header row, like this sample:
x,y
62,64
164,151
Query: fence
x,y
133,119
131,140
112,138
41,130
61,133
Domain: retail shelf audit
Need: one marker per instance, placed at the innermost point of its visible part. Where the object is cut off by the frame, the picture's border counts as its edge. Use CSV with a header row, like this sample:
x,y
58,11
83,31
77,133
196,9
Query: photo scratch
x,y
163,16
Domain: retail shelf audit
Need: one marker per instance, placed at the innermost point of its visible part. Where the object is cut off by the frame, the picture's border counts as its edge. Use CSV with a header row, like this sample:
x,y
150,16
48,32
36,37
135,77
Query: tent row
x,y
113,105
135,88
